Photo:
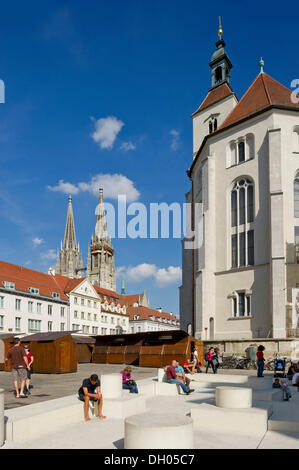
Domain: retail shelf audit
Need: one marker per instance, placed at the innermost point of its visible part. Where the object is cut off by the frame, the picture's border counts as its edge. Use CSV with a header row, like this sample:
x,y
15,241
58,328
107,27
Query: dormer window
x,y
55,295
34,290
136,317
9,285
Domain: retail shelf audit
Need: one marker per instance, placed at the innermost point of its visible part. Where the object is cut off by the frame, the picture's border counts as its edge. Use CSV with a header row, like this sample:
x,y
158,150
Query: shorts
x,y
81,397
19,374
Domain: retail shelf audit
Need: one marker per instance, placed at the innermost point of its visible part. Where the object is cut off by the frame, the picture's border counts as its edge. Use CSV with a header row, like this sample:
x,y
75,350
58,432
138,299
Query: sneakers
x,y
190,391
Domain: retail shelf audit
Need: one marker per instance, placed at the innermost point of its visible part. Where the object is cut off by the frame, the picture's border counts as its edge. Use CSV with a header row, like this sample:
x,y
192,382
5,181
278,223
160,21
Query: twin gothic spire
x,y
100,256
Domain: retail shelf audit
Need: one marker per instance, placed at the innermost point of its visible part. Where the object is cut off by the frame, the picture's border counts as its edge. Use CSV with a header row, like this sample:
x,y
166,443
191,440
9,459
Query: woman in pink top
x,y
128,383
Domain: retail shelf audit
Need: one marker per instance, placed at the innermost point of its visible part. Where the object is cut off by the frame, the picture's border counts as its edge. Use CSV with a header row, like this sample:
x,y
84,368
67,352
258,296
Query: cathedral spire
x,y
69,233
68,260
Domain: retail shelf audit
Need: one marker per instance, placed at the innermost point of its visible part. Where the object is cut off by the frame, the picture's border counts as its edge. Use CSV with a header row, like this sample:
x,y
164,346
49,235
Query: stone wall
x,y
284,347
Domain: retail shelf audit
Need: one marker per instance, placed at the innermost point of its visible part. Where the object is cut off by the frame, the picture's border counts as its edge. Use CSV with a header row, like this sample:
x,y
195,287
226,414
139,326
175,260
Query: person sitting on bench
x,y
172,378
90,390
189,365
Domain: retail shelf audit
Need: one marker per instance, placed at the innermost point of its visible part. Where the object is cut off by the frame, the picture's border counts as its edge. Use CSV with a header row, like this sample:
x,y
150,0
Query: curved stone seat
x,y
159,431
233,397
111,385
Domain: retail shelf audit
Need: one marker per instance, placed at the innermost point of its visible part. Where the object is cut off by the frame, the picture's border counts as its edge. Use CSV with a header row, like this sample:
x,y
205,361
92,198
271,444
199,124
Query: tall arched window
x,y
296,195
242,218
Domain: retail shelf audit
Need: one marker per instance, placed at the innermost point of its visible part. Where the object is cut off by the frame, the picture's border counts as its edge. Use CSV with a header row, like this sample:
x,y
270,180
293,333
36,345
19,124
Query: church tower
x,y
100,257
69,259
220,63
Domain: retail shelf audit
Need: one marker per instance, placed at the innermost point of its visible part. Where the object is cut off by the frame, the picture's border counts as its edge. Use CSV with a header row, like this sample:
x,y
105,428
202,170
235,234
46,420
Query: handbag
x,y
130,382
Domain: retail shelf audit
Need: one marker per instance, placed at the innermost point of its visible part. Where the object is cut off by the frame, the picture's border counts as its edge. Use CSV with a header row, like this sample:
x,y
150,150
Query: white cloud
x,y
67,188
50,254
126,146
140,272
162,276
175,137
106,131
171,275
37,241
113,185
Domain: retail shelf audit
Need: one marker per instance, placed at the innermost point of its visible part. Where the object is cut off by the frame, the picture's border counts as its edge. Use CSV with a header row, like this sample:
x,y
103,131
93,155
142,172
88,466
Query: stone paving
x,y
108,434
50,386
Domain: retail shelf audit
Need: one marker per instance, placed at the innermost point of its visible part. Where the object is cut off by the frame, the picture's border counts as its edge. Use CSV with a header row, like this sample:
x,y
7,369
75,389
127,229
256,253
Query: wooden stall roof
x,y
83,339
6,335
48,336
149,338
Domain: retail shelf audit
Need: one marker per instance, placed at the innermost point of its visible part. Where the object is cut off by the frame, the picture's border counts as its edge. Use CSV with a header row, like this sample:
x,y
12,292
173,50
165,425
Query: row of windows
x,y
33,290
88,302
34,326
95,330
104,318
30,307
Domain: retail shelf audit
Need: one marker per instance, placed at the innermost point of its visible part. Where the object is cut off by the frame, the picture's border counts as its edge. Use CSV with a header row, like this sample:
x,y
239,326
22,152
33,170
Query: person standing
x,y
209,357
260,360
215,360
19,363
29,369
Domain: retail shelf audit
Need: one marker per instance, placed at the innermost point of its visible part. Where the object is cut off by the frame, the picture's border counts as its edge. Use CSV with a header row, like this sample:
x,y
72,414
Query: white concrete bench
x,y
49,416
32,421
159,431
211,379
247,421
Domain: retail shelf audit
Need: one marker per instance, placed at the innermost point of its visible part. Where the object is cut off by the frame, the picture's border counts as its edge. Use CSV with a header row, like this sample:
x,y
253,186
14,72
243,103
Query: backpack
x,y
207,357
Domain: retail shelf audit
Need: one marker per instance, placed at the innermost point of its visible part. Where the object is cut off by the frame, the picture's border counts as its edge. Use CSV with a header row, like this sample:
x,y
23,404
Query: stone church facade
x,y
245,178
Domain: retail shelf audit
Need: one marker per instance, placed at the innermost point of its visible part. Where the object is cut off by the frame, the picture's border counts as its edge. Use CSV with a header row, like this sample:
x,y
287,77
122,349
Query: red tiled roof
x,y
130,300
263,93
108,293
23,278
67,284
215,95
145,313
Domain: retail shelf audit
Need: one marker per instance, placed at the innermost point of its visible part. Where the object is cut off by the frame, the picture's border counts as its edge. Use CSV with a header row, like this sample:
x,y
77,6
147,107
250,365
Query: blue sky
x,y
67,65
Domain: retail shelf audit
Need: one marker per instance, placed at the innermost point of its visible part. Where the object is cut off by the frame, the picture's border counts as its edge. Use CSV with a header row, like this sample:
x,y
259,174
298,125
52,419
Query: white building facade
x,y
32,302
244,199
